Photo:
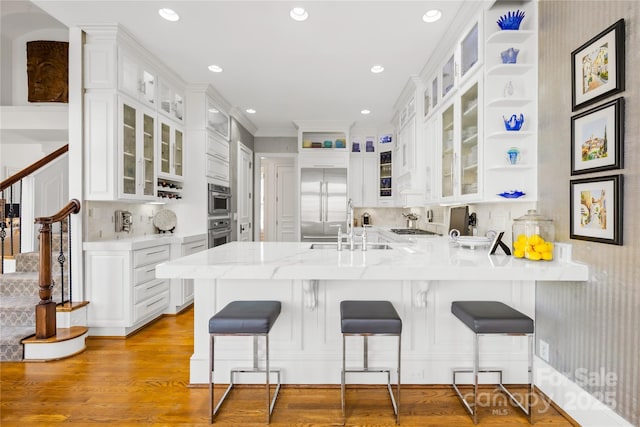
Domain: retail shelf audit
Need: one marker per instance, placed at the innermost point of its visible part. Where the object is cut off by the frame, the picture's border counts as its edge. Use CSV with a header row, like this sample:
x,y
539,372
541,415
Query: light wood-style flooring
x,y
144,380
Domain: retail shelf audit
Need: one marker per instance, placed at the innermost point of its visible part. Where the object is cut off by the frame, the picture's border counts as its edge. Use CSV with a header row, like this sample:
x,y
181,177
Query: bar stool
x,y
370,318
493,318
244,318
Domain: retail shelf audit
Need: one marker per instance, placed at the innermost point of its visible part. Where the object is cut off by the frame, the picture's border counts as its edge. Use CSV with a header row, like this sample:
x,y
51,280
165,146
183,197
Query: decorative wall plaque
x,y
48,71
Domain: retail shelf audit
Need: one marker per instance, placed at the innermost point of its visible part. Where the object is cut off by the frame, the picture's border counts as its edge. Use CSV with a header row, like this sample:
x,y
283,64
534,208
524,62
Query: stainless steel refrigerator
x,y
323,203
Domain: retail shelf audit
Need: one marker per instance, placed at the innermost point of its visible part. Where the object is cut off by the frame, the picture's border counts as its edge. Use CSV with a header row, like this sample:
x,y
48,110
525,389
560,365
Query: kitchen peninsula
x,y
421,278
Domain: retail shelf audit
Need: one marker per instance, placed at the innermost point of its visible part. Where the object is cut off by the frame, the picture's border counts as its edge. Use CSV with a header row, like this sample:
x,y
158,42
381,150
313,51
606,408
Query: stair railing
x,y
46,308
11,212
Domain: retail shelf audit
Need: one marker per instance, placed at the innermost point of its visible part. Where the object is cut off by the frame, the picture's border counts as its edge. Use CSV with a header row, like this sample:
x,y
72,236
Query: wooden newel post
x,y
46,308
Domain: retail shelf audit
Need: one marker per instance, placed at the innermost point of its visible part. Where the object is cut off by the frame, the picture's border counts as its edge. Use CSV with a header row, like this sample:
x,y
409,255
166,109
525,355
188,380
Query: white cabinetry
x,y
363,179
511,89
171,101
123,290
121,120
170,150
217,167
460,146
182,289
136,78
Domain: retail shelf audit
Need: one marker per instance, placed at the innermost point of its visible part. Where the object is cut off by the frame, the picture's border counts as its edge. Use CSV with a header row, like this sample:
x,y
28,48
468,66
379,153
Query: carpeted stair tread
x,y
18,311
11,349
30,261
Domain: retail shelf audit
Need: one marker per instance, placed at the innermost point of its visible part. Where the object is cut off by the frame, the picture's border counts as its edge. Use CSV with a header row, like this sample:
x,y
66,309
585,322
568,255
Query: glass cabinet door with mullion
x,y
129,152
177,152
447,151
148,141
469,141
165,148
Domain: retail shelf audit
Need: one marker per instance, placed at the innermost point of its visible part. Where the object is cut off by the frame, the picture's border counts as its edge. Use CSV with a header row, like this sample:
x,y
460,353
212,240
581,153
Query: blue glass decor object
x,y
511,21
511,194
514,122
509,56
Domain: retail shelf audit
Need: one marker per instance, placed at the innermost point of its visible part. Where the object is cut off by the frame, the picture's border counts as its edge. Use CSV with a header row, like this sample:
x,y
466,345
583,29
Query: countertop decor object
x,y
511,21
511,194
165,220
514,122
509,56
472,242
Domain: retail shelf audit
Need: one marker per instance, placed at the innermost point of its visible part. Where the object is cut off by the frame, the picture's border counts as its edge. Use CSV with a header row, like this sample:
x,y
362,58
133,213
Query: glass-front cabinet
x,y
447,153
460,145
137,152
171,151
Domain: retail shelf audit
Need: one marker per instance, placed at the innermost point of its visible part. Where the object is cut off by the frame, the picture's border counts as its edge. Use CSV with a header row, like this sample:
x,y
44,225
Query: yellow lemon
x,y
540,247
518,253
547,256
534,256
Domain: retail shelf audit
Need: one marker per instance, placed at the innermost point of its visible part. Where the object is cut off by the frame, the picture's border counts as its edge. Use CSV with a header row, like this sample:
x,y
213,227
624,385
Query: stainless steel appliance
x,y
219,203
219,231
323,203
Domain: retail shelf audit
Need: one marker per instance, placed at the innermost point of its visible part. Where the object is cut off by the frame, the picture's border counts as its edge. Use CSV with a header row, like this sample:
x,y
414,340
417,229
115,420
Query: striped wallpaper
x,y
594,327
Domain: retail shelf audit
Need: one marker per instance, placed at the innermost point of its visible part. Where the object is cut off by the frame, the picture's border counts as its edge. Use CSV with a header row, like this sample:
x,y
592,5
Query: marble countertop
x,y
435,258
141,242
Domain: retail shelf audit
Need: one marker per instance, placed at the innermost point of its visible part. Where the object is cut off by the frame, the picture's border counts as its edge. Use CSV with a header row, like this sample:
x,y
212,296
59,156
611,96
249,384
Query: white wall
x,y
6,70
19,92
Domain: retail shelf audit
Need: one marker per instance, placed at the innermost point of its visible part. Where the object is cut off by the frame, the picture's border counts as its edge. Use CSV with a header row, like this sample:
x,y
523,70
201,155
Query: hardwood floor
x,y
144,380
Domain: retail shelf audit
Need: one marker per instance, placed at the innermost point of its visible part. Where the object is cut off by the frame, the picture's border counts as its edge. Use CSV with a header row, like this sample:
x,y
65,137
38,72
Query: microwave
x,y
219,200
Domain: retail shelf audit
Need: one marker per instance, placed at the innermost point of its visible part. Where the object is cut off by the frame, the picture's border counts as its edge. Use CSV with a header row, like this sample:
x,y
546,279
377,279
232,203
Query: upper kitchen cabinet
x,y
136,78
216,119
410,154
126,148
170,150
171,101
323,144
459,64
511,88
460,145
136,150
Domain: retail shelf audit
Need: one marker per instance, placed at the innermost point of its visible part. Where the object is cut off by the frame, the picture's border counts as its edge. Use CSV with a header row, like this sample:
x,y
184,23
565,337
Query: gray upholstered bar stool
x,y
370,318
244,318
493,318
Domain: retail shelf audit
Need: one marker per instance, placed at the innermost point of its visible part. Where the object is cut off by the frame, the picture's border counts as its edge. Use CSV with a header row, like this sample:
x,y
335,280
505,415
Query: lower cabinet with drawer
x,y
122,288
182,289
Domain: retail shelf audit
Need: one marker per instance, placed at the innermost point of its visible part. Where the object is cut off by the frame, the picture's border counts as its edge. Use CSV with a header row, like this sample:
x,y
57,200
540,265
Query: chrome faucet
x,y
350,223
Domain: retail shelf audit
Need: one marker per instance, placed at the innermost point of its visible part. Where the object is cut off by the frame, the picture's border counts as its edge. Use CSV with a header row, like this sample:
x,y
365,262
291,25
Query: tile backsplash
x,y
100,220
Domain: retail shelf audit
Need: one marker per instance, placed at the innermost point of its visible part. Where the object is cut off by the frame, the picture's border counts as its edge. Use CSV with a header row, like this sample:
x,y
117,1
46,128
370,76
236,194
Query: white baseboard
x,y
580,405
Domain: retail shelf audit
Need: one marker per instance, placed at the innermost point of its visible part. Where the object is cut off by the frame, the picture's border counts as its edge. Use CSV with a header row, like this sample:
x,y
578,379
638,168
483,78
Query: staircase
x,y
19,296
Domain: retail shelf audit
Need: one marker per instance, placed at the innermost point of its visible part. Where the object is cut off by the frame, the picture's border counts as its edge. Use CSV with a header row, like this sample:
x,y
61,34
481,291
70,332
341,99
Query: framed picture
x,y
596,209
597,138
597,67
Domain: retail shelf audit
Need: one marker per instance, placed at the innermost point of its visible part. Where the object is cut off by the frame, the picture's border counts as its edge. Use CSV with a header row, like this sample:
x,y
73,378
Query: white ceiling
x,y
286,70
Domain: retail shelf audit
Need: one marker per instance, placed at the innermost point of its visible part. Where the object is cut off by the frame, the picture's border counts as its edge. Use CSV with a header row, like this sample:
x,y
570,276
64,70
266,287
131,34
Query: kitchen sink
x,y
346,247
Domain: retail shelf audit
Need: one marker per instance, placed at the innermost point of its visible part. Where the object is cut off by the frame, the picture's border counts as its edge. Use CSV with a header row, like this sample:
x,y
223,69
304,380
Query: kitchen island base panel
x,y
306,341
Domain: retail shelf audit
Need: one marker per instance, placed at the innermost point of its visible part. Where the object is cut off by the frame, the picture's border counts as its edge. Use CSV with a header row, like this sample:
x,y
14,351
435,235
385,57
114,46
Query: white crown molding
x,y
239,115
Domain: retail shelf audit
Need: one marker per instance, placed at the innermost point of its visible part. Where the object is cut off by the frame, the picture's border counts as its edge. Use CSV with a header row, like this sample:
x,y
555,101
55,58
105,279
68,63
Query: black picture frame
x,y
588,87
596,209
592,148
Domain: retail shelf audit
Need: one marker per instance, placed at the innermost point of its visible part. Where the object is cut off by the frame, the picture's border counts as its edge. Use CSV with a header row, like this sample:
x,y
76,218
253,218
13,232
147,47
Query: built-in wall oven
x,y
219,231
219,204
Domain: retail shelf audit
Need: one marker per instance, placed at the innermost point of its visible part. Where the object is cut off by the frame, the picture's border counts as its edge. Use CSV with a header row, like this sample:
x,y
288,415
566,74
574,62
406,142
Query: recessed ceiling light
x,y
169,14
299,14
365,112
213,110
250,111
215,68
377,69
432,15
